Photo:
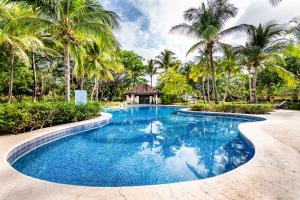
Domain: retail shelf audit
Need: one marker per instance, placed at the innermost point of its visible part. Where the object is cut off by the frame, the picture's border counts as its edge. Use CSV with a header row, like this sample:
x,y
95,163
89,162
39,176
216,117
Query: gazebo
x,y
143,94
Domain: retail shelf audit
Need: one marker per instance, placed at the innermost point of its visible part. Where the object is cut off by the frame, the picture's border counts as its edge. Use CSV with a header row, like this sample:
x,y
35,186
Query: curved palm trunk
x,y
67,71
226,88
93,91
212,67
34,77
11,77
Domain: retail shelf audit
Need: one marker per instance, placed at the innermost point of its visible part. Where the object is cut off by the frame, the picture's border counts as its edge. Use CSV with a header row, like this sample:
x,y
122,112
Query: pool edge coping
x,y
246,129
107,116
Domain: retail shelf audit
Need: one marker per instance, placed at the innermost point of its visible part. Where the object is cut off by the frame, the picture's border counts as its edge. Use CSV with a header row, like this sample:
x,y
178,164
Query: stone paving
x,y
273,173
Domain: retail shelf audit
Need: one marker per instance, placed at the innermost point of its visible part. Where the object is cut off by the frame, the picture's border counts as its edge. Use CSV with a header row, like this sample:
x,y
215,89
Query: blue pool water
x,y
142,146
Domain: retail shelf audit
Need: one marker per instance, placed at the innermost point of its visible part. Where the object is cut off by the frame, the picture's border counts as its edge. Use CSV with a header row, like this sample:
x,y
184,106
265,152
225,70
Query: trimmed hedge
x,y
22,117
235,108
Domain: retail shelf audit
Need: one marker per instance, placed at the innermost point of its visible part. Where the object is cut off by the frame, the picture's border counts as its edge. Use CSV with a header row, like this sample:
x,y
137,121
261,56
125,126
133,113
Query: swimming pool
x,y
143,146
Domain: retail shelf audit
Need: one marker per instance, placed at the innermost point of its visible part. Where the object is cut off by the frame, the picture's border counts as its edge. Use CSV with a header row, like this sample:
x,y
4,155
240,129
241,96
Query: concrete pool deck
x,y
273,173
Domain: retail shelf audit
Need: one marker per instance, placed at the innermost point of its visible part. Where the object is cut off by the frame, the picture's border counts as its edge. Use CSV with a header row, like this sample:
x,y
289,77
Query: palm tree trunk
x,y
151,80
203,90
67,71
34,77
97,89
208,90
93,91
81,83
11,77
214,85
250,89
226,88
254,83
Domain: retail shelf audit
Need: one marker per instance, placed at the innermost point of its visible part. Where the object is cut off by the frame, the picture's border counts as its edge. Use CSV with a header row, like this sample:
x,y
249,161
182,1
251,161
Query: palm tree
x,y
230,64
71,20
206,24
35,46
151,70
261,50
167,60
15,26
200,73
101,64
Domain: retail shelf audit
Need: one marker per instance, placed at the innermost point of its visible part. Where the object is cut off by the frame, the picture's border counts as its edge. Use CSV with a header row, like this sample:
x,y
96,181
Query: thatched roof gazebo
x,y
143,94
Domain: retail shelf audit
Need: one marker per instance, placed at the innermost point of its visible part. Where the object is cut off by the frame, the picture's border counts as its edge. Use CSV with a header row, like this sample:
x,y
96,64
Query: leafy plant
x,y
235,108
21,117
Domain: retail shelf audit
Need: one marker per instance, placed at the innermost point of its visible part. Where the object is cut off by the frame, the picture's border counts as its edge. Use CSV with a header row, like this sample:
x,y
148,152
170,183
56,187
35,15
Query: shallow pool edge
x,y
72,129
27,146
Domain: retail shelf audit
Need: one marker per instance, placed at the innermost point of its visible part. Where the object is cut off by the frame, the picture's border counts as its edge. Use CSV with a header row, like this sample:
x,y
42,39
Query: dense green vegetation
x,y
50,48
235,108
22,117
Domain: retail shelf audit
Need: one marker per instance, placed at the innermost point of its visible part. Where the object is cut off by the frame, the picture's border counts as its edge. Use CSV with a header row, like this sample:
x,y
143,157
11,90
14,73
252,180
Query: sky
x,y
146,23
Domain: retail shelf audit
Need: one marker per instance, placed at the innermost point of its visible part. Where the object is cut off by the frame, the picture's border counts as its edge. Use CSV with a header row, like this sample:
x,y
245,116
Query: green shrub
x,y
234,108
293,105
22,117
113,103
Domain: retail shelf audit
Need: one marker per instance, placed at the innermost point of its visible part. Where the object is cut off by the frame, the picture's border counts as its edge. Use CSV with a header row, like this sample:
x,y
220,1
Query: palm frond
x,y
287,76
195,47
275,2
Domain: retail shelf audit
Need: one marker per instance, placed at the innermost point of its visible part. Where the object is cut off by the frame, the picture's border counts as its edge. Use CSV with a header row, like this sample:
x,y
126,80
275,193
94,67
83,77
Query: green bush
x,y
21,117
235,108
293,105
113,103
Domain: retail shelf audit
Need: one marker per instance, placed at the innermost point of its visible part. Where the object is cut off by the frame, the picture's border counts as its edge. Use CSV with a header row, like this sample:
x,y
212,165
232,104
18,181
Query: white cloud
x,y
163,14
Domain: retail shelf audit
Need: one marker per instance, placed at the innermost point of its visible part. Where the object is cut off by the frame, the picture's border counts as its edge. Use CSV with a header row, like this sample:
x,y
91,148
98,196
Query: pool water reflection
x,y
142,146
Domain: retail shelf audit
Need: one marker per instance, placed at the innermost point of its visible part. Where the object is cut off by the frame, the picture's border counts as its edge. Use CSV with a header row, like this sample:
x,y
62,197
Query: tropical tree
x,y
200,74
15,26
206,24
134,67
69,21
35,47
230,64
174,85
151,70
262,50
166,60
100,66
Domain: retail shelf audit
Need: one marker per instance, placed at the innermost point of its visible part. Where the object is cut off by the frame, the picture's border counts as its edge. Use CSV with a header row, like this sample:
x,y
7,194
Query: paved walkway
x,y
273,173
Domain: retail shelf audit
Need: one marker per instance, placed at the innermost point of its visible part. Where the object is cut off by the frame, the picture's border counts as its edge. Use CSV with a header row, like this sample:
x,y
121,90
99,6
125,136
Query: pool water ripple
x,y
142,146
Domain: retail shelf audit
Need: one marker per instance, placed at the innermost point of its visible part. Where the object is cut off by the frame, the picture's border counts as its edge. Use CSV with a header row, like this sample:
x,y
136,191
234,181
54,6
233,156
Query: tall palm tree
x,y
262,49
71,20
200,73
101,64
36,47
151,70
166,60
15,26
230,64
206,24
